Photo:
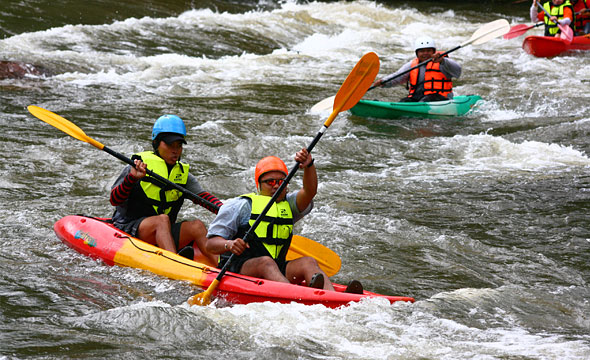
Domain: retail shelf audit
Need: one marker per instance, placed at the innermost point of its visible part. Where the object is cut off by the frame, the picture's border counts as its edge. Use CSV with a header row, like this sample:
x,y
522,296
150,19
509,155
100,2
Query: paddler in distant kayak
x,y
430,82
148,209
561,11
264,256
582,15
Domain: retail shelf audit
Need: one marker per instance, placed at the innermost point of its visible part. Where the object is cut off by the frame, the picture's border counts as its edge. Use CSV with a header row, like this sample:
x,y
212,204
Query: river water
x,y
482,219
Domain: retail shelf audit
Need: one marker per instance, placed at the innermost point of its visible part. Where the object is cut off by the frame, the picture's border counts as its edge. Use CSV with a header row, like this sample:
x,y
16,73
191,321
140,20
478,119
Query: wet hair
x,y
156,143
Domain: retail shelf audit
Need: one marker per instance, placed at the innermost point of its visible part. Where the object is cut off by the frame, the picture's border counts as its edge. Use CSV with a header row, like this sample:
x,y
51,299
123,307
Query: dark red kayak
x,y
548,46
99,239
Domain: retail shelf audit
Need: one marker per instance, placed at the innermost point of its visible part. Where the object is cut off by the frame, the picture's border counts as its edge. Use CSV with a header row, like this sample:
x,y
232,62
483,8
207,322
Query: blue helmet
x,y
168,124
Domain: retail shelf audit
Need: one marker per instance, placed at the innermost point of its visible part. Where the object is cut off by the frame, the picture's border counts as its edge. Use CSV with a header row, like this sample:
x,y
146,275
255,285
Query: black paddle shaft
x,y
190,194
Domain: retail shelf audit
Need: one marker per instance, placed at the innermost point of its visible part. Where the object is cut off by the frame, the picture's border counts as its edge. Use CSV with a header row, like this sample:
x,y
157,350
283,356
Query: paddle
x,y
329,261
351,91
482,35
74,131
520,29
567,34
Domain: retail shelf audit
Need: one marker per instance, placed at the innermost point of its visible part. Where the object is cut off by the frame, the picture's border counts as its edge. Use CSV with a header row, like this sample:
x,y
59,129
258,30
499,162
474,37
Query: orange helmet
x,y
267,164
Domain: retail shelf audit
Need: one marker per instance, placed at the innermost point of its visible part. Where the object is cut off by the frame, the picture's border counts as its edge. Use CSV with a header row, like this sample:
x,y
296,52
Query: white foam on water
x,y
374,329
491,110
486,151
334,35
462,155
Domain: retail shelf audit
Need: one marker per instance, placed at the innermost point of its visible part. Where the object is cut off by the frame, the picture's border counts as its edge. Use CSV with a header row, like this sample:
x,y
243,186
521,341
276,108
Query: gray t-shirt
x,y
236,212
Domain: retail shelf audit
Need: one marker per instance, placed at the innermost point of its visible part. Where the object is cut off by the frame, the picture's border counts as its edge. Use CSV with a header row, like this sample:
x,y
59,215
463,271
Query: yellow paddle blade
x,y
62,124
328,260
357,82
356,85
204,298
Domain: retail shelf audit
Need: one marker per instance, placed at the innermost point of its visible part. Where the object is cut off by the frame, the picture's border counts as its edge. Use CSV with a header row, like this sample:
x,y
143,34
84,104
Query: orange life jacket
x,y
582,19
435,82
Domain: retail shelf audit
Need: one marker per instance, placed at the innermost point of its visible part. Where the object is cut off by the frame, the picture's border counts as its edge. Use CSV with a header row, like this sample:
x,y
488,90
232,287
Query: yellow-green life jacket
x,y
551,27
275,229
153,197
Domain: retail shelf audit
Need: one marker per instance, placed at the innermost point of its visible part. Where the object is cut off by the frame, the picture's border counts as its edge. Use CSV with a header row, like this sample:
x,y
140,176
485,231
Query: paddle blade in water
x,y
327,259
357,82
203,298
62,124
489,31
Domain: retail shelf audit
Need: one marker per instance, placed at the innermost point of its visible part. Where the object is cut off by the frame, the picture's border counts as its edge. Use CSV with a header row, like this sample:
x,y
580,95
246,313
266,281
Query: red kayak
x,y
99,239
548,46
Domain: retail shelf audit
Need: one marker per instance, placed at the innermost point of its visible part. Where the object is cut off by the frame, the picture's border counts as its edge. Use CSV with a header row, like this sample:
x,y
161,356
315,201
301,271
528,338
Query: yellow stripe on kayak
x,y
138,254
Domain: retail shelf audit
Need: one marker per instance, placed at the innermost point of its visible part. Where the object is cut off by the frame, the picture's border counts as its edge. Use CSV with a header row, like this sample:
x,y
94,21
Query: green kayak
x,y
458,106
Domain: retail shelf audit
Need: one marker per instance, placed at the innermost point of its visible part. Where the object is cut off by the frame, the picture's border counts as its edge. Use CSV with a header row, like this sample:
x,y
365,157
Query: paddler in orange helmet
x,y
561,11
264,256
430,82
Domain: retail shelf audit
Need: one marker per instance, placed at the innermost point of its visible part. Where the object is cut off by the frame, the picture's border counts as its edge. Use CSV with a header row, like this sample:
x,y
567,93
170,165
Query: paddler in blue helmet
x,y
148,209
264,256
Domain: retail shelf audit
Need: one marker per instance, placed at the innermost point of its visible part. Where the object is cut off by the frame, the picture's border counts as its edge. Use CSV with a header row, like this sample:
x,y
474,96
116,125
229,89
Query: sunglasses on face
x,y
273,182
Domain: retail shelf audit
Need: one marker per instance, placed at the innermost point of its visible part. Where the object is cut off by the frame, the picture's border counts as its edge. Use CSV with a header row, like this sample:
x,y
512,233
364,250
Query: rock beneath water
x,y
19,70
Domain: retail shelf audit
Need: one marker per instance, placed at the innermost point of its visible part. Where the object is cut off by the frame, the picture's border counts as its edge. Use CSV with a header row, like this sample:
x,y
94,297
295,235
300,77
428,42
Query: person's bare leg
x,y
263,267
155,230
303,269
196,231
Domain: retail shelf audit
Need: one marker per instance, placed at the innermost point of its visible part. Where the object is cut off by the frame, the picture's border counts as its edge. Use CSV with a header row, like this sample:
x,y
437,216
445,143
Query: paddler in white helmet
x,y
429,82
148,209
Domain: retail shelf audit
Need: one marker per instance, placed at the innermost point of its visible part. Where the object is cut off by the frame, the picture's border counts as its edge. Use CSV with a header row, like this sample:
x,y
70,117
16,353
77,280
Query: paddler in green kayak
x,y
429,82
264,256
148,209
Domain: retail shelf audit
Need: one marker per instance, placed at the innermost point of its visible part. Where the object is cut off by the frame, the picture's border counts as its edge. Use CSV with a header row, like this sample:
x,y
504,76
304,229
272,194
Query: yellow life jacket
x,y
153,197
275,229
551,27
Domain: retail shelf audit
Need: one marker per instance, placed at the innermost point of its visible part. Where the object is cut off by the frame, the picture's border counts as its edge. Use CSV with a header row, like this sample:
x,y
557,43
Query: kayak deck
x,y
101,240
549,46
458,106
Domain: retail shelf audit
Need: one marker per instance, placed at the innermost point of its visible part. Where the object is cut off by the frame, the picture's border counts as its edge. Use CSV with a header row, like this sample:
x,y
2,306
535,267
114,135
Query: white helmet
x,y
424,42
